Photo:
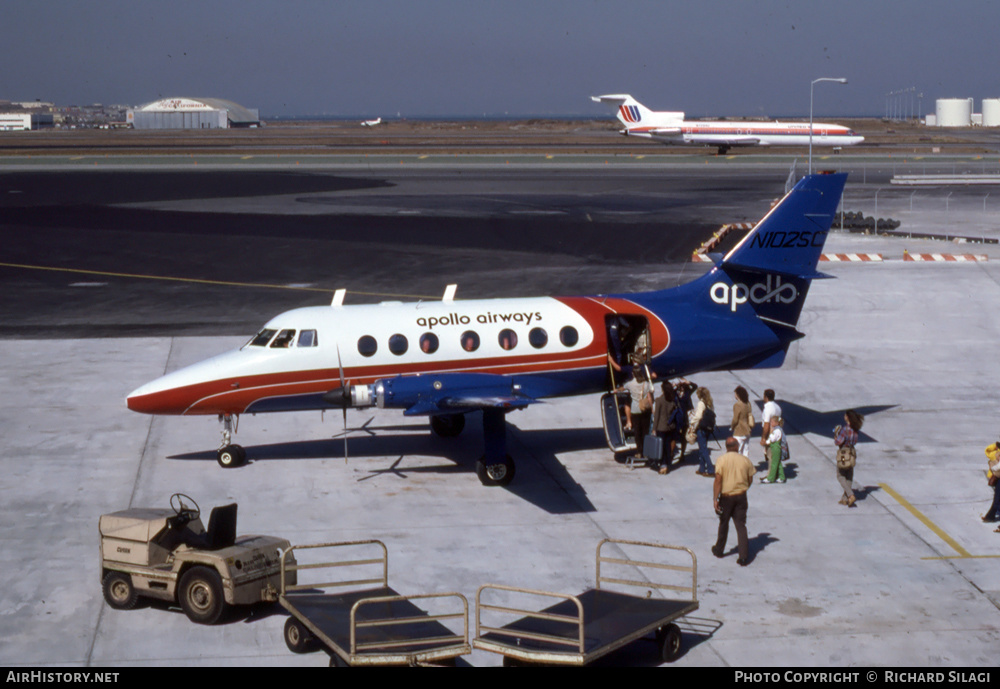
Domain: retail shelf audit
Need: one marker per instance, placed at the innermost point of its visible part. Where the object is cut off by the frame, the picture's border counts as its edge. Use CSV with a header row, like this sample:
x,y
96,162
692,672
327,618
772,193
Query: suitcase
x,y
652,448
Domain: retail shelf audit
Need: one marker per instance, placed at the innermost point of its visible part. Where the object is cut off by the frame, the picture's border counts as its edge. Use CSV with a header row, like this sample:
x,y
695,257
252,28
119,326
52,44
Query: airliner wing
x,y
452,393
716,140
743,141
463,403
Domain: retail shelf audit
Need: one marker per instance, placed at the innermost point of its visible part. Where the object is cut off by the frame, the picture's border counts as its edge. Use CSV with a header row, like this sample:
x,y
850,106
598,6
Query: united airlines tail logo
x,y
772,289
629,113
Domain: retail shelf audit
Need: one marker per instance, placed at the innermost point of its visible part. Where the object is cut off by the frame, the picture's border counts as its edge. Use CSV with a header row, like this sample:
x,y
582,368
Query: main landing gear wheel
x,y
669,640
231,456
448,425
497,474
119,592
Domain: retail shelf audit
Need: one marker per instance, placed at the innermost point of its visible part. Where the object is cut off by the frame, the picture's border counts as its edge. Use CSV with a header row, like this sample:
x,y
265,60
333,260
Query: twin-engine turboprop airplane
x,y
672,128
450,358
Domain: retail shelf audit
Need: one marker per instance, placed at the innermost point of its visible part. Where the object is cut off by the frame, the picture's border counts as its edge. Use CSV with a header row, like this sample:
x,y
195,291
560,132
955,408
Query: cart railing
x,y
397,622
572,639
379,564
648,566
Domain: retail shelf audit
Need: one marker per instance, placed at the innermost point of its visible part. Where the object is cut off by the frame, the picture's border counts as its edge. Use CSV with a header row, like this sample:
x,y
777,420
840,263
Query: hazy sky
x,y
469,58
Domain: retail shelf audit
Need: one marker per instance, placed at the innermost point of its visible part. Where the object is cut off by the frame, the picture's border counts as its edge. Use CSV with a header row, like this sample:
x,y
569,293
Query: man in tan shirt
x,y
733,476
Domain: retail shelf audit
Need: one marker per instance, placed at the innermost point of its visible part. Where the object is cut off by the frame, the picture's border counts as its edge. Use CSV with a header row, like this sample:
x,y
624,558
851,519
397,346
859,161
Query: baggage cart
x,y
371,623
576,630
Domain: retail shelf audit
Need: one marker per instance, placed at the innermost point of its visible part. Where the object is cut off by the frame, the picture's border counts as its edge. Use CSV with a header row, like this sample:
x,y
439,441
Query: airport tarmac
x,y
906,578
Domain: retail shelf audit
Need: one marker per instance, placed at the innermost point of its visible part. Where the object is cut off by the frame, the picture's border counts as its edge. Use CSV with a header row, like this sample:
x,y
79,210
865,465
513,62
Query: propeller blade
x,y
340,366
345,398
345,434
340,397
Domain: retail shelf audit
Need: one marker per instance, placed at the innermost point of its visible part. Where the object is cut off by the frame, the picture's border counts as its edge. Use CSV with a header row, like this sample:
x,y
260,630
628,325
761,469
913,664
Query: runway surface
x,y
906,578
381,234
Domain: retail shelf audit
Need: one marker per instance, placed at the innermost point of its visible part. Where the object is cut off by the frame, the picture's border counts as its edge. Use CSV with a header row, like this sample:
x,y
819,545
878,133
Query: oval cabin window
x,y
367,346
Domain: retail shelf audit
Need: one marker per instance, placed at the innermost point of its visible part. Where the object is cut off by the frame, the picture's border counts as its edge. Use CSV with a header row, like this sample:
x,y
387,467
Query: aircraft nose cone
x,y
195,389
146,401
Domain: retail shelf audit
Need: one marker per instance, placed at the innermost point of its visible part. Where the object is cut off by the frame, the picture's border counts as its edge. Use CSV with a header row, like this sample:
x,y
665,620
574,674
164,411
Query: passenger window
x,y
262,338
428,343
568,336
367,346
398,344
307,338
470,341
507,339
283,340
538,338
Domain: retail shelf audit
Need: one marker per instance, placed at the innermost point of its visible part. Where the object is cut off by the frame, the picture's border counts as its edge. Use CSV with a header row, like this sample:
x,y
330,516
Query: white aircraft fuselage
x,y
672,128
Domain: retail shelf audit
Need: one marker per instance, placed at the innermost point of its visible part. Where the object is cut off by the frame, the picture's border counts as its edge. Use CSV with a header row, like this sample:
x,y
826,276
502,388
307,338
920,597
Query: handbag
x,y
846,457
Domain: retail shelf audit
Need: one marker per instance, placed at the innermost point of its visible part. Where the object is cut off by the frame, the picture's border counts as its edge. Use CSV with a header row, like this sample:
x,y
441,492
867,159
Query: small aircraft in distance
x,y
371,123
672,128
450,358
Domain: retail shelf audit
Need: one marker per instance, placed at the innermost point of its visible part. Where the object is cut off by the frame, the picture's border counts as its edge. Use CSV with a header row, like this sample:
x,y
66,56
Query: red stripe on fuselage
x,y
234,395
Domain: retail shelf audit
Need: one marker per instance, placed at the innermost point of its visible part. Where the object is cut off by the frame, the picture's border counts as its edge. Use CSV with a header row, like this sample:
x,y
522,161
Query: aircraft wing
x,y
716,140
451,393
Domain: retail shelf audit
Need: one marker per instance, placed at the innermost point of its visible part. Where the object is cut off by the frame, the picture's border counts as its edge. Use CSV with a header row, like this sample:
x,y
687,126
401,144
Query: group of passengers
x,y
684,414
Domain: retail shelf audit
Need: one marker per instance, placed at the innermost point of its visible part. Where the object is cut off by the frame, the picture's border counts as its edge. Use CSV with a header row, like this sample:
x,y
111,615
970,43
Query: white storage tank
x,y
991,112
954,112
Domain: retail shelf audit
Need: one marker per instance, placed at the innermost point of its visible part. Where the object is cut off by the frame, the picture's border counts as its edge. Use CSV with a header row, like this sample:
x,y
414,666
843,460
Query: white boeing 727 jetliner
x,y
672,128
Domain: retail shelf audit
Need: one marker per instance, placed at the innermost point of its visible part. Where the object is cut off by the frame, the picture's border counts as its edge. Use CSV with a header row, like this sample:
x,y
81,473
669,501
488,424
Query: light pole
x,y
839,80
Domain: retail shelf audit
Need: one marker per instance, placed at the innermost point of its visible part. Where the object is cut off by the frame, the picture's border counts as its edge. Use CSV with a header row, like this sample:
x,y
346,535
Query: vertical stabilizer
x,y
633,114
790,238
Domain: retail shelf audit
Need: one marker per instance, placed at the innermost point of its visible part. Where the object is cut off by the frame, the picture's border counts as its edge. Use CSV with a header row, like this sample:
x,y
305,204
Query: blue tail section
x,y
790,239
743,313
771,268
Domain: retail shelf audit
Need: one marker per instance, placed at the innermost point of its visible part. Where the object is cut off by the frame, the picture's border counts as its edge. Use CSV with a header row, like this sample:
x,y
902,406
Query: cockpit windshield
x,y
262,338
283,339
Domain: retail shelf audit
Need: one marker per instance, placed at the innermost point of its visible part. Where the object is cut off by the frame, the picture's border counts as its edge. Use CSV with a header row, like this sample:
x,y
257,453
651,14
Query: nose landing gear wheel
x,y
496,474
231,456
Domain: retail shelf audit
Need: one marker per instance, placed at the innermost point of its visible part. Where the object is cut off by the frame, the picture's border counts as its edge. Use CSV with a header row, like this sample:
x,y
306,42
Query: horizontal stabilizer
x,y
614,99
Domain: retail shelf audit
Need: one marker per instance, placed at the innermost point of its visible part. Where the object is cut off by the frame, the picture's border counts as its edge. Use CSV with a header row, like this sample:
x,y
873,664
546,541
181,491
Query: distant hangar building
x,y
193,113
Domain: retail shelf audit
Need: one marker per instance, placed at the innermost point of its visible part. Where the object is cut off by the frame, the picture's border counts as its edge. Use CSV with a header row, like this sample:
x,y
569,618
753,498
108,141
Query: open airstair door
x,y
628,347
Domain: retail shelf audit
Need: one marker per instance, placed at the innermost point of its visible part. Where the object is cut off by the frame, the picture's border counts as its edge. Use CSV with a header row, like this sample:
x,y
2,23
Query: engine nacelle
x,y
353,396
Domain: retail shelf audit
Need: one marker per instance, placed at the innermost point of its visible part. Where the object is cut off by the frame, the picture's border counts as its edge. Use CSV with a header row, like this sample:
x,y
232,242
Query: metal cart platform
x,y
576,630
373,624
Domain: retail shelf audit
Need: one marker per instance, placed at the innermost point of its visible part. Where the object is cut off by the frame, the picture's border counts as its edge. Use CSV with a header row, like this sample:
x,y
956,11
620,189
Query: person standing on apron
x,y
846,437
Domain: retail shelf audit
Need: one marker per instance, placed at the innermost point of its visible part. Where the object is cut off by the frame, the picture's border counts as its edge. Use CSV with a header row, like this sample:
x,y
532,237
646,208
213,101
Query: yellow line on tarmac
x,y
206,282
962,557
962,552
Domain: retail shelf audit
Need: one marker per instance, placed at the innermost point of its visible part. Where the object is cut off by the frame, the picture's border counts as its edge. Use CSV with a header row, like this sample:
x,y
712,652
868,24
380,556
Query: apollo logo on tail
x,y
771,289
771,268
